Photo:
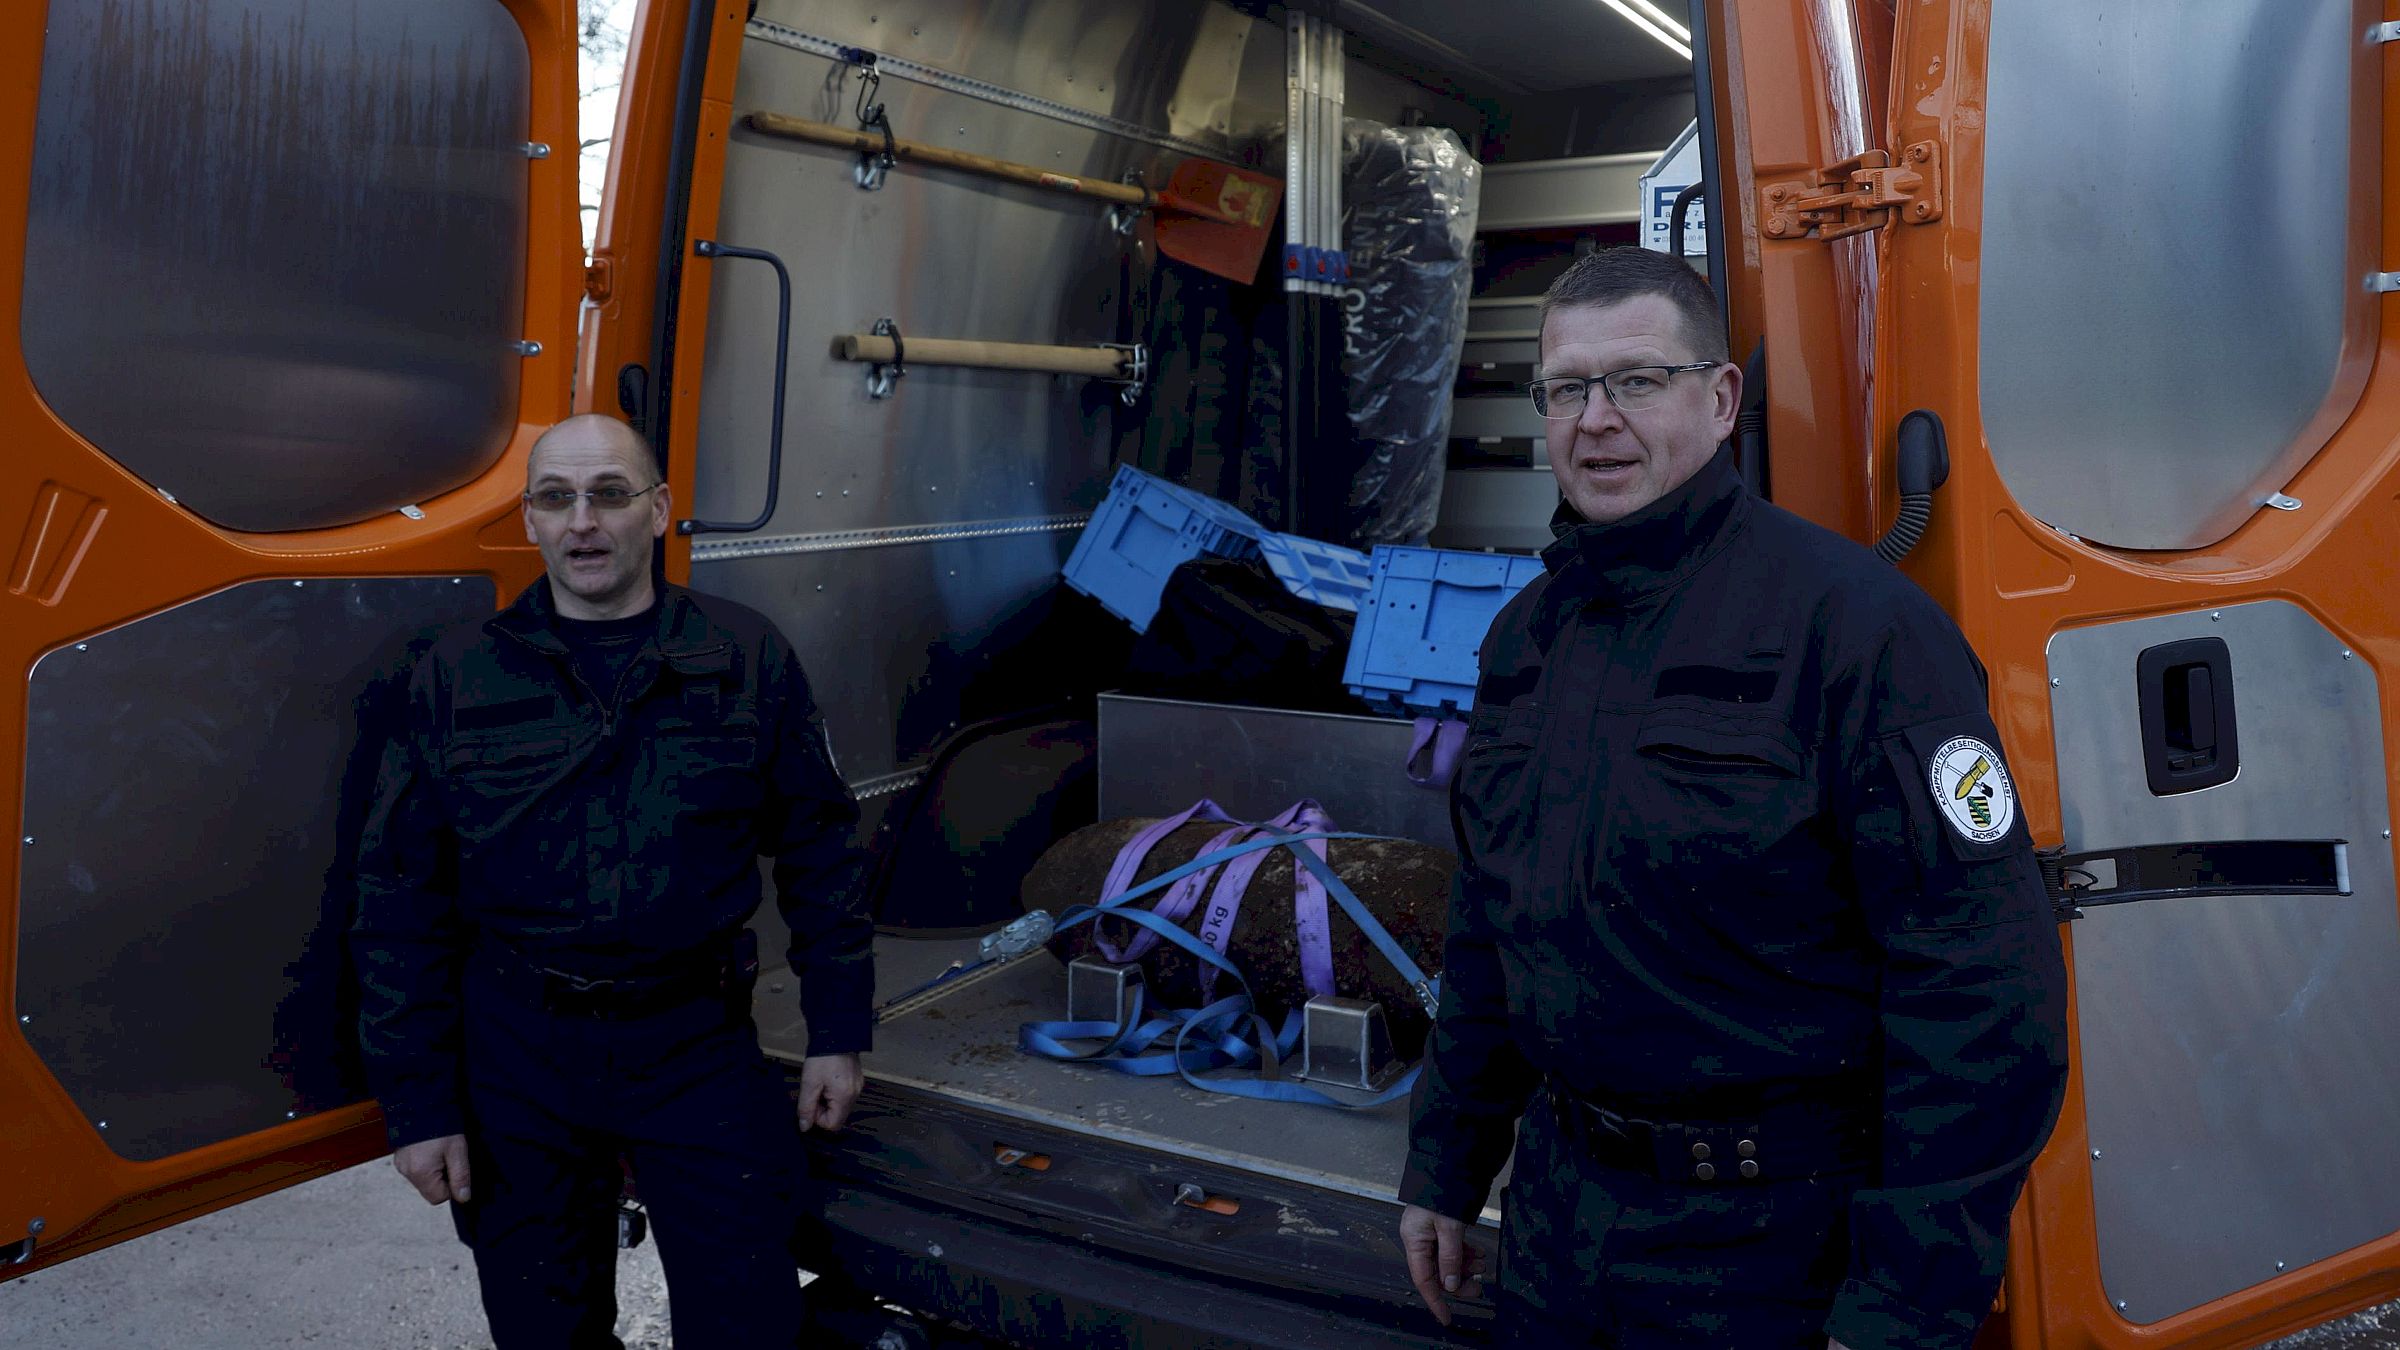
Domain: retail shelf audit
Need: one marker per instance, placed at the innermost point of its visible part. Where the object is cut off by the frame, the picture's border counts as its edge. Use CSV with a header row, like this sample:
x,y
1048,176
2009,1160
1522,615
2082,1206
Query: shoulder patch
x,y
1970,786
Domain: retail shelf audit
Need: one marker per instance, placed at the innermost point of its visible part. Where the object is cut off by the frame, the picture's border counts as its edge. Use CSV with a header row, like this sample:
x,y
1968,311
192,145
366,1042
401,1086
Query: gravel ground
x,y
2374,1329
354,1260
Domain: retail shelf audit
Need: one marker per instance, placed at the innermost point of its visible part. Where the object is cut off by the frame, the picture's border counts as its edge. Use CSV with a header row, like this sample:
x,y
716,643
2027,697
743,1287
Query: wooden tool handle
x,y
869,142
1100,362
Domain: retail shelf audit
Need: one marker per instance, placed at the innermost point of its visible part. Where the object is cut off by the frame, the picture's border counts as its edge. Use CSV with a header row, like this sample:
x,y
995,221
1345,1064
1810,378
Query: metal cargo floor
x,y
964,1047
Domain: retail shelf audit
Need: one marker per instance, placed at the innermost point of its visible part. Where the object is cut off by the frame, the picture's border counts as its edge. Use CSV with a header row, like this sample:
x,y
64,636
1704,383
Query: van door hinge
x,y
599,276
1864,192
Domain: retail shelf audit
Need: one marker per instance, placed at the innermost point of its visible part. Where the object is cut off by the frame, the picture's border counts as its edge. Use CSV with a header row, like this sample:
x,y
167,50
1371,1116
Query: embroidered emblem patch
x,y
1970,785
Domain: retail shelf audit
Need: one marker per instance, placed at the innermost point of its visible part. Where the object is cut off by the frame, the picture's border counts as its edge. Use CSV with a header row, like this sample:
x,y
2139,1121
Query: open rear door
x,y
289,285
643,331
2132,257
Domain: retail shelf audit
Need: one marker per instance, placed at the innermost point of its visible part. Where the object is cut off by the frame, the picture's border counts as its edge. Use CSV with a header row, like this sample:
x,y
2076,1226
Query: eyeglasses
x,y
610,498
1564,396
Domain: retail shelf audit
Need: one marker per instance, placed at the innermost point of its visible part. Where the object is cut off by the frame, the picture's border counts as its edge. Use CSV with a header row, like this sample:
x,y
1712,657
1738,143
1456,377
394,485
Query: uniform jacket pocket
x,y
1706,795
491,777
1697,744
1714,822
1492,803
709,768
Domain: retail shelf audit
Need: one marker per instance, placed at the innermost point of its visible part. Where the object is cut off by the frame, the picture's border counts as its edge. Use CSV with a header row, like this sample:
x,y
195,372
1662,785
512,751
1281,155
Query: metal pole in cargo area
x,y
1297,173
1333,414
1329,202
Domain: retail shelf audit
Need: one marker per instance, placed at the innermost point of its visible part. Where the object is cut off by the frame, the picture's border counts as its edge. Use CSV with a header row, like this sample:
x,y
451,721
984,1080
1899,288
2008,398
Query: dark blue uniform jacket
x,y
1718,827
606,833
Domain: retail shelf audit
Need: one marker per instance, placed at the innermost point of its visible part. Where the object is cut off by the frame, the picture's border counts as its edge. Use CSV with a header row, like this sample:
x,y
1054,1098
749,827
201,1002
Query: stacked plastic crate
x,y
1423,623
1147,527
1422,612
1417,639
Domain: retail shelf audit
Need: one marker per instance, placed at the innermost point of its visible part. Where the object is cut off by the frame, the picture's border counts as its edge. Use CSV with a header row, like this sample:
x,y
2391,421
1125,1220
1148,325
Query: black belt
x,y
1785,1144
698,976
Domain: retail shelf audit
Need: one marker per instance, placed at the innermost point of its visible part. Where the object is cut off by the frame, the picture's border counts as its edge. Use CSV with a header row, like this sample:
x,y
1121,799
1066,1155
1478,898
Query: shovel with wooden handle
x,y
1210,215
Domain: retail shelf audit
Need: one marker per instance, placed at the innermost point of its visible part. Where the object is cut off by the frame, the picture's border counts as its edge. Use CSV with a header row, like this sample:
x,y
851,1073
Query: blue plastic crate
x,y
1333,576
1140,532
1424,621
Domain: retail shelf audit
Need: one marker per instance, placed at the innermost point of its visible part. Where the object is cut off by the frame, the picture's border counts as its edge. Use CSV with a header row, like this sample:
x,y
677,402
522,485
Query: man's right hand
x,y
436,1167
1439,1260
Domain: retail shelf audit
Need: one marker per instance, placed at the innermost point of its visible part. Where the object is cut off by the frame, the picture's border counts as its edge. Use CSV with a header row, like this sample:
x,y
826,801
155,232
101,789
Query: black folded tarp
x,y
1228,632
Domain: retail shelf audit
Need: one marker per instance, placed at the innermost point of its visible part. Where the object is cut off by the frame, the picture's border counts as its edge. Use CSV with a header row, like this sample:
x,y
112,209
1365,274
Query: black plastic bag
x,y
1227,631
1409,197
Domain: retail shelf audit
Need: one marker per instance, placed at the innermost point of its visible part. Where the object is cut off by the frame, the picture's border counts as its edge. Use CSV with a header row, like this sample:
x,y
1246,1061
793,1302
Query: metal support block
x,y
1100,991
1344,1042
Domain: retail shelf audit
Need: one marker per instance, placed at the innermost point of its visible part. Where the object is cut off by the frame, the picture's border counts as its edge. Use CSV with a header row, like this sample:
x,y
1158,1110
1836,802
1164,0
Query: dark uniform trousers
x,y
690,1103
1593,1255
554,1100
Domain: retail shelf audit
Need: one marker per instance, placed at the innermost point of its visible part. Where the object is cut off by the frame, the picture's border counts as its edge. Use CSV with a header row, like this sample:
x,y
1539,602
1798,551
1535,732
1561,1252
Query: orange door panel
x,y
289,294
2141,297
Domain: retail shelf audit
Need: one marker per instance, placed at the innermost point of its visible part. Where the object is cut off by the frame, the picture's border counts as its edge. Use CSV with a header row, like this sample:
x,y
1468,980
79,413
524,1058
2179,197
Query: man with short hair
x,y
554,879
1748,953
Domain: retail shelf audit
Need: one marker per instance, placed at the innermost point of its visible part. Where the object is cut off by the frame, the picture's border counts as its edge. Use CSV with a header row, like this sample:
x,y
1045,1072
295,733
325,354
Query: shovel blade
x,y
1233,247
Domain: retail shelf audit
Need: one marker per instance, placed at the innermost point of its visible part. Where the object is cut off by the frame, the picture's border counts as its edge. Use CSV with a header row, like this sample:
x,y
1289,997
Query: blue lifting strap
x,y
1229,1033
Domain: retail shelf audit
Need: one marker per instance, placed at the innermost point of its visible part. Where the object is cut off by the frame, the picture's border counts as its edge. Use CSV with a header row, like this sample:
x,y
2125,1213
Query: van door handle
x,y
2199,707
710,248
2189,739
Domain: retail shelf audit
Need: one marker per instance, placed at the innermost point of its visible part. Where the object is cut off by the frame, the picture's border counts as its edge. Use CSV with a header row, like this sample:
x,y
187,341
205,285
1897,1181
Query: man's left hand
x,y
828,1085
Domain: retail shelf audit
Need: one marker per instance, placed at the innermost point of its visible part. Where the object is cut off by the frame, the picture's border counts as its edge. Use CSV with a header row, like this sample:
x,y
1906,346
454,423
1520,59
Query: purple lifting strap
x,y
1216,927
1184,894
1446,736
1234,882
1311,921
1128,864
1308,899
1308,910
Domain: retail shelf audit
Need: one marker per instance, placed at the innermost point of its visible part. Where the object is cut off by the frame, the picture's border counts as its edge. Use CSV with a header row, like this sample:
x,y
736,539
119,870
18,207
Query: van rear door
x,y
290,284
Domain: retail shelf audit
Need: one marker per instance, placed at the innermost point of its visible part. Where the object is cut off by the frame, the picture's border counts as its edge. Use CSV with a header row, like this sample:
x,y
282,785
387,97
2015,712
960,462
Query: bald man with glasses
x,y
553,886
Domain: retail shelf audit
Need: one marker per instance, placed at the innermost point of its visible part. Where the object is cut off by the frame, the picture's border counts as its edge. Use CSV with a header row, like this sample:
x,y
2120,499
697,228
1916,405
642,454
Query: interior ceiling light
x,y
1647,16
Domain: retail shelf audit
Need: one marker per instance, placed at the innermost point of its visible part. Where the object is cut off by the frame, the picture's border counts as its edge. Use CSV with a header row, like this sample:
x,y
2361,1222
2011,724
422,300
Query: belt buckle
x,y
1618,1139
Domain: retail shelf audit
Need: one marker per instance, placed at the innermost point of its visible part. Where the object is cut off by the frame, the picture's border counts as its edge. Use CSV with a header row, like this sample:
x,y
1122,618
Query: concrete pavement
x,y
353,1260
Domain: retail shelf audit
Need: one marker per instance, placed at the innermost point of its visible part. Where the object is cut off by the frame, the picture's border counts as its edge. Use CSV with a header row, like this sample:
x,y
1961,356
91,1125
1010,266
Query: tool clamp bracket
x,y
874,166
883,379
